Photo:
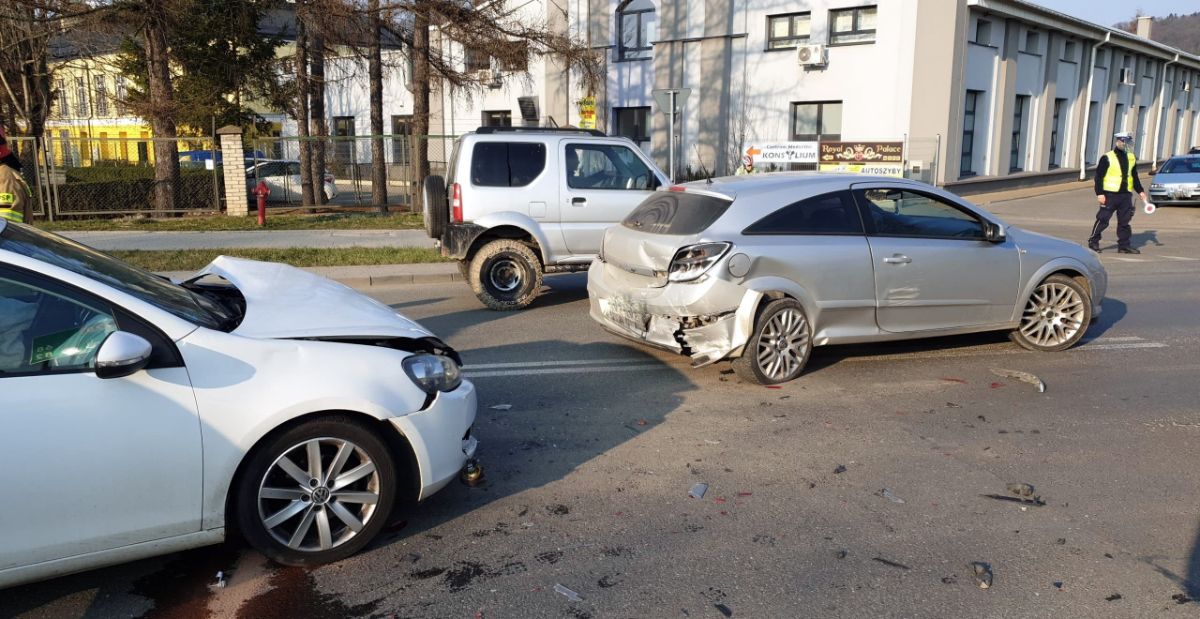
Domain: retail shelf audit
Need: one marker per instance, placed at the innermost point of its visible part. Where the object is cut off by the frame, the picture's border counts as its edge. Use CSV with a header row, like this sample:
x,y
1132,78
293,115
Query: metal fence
x,y
276,162
76,176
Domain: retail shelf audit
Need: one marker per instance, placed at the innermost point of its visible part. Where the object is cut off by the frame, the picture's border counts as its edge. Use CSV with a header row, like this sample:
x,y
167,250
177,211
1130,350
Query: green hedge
x,y
106,173
137,194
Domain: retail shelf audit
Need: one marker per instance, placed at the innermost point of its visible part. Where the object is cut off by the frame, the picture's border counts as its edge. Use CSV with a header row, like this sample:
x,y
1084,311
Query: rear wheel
x,y
779,347
1056,315
316,493
505,275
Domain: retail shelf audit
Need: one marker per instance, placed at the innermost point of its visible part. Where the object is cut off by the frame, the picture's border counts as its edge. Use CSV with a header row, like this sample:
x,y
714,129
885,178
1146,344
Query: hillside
x,y
1179,31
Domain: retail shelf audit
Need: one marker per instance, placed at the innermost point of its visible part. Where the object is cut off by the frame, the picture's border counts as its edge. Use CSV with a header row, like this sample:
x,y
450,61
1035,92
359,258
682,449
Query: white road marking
x,y
575,370
1126,259
1124,338
1182,258
1122,346
494,366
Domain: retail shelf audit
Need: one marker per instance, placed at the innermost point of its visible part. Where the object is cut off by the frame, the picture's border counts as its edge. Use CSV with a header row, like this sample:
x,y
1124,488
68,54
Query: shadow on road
x,y
1144,238
561,290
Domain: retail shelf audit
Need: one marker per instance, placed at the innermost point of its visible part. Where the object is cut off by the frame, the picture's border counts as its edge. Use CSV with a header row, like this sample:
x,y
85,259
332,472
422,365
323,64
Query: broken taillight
x,y
456,206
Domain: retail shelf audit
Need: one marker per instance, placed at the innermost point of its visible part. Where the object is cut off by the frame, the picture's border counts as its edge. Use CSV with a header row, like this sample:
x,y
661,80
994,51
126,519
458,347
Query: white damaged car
x,y
760,269
140,416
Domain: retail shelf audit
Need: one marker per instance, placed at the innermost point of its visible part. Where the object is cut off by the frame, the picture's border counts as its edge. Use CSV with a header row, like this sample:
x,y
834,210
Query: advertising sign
x,y
587,113
878,158
783,152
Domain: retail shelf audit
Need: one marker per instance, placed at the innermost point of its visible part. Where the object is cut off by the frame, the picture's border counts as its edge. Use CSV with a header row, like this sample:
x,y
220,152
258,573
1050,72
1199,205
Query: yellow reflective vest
x,y
1112,178
14,194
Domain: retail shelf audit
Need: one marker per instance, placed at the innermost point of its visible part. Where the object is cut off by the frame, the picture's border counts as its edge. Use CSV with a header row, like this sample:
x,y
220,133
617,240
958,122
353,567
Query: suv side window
x,y
900,212
831,213
606,166
45,330
506,164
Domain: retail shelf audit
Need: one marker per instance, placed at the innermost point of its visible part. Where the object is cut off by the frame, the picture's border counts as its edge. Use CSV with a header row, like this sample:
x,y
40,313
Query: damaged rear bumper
x,y
707,320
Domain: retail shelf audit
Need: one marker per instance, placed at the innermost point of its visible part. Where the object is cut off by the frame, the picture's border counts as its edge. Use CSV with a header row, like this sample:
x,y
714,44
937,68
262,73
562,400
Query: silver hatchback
x,y
760,269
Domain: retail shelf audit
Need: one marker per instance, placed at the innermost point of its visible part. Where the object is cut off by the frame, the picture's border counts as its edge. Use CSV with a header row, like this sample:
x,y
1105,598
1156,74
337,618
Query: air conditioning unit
x,y
812,56
1187,87
1127,77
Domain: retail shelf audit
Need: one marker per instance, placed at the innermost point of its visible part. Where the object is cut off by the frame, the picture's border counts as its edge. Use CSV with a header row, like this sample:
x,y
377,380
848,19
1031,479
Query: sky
x,y
1109,12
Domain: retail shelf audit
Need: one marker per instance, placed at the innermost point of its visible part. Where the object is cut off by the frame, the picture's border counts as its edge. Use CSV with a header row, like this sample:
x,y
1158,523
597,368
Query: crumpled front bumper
x,y
708,320
440,437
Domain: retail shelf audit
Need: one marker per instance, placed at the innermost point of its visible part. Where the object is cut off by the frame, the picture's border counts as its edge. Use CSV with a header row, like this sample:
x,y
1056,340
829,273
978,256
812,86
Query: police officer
x,y
14,193
1116,180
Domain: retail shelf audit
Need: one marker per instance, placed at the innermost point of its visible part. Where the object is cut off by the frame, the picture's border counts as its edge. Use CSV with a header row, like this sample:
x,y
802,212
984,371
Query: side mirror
x,y
122,354
993,232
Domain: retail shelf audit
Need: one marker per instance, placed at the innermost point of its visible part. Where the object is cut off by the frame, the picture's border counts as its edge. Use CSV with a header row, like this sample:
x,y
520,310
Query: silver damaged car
x,y
761,269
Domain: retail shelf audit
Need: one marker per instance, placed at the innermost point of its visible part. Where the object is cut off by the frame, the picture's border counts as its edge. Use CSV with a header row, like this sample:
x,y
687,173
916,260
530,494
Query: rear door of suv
x,y
600,183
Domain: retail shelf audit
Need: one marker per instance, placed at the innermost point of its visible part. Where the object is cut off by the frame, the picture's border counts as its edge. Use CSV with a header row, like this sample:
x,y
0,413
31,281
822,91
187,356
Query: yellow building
x,y
89,121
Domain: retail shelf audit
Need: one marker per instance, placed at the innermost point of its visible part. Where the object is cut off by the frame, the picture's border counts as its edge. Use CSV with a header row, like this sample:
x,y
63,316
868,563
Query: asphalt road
x,y
588,475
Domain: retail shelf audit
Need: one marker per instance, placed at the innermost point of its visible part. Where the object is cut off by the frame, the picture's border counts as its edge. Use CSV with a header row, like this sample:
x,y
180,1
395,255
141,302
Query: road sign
x,y
663,97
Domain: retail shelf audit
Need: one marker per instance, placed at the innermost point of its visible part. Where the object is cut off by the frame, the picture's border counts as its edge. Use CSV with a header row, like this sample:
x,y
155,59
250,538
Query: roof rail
x,y
487,130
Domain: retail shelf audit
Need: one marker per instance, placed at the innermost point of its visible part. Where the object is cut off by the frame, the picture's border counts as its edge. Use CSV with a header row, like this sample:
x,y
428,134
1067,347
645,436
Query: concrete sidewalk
x,y
108,241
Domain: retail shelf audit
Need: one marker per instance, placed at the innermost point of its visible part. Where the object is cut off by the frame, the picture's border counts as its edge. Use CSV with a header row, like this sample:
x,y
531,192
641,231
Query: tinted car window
x,y
605,166
676,213
506,164
832,213
898,212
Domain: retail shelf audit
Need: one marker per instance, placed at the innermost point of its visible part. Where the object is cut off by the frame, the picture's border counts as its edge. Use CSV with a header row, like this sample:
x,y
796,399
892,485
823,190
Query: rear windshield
x,y
676,213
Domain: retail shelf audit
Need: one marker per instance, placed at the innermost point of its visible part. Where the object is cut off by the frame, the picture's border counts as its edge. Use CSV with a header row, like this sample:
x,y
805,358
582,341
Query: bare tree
x,y
379,193
24,73
301,107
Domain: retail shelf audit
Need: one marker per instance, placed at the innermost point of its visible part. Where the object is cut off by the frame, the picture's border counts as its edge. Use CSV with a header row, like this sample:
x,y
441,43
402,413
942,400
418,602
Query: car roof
x,y
814,182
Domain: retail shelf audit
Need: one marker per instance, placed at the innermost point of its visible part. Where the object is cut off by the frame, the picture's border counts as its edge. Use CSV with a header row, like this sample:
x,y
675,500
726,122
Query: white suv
x,y
520,202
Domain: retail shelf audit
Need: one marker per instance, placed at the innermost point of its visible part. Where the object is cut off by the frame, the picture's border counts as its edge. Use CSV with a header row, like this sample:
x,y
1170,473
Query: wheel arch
x,y
408,482
1063,266
512,226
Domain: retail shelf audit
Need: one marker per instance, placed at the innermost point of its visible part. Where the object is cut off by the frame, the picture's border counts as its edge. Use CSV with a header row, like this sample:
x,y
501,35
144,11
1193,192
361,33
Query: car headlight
x,y
433,373
693,261
1154,186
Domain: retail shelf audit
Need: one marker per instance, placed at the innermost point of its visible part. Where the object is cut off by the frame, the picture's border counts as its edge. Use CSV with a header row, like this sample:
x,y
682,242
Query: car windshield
x,y
157,291
1191,165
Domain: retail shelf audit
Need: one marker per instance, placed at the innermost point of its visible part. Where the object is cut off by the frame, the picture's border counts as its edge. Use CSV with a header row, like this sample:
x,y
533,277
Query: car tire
x,y
269,490
780,346
505,275
1055,316
464,269
437,213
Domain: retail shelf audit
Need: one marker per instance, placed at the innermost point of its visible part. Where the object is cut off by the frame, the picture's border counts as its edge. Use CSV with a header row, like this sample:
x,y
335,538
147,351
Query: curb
x,y
402,279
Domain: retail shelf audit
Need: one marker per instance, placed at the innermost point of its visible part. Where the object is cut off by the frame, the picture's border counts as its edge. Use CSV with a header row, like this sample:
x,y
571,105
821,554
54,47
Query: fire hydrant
x,y
262,191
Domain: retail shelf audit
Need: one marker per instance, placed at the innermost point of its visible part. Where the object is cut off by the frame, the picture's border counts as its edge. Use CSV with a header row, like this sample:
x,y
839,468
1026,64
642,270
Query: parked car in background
x,y
520,202
1177,181
1195,150
143,416
282,177
761,269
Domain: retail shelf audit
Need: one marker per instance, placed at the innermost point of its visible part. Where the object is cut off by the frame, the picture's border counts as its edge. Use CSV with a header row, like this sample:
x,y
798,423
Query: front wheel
x,y
316,493
779,347
505,275
1056,315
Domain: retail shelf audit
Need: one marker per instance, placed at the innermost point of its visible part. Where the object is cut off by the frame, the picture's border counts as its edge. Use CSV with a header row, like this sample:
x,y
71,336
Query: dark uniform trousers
x,y
1122,205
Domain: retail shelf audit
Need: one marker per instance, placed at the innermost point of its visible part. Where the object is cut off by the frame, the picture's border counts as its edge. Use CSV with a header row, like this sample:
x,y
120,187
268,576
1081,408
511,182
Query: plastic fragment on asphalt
x,y
1025,490
1181,598
841,468
1058,584
983,574
1034,501
843,553
1114,597
723,609
571,595
890,563
949,580
1021,376
955,380
220,579
887,494
501,407
745,493
698,490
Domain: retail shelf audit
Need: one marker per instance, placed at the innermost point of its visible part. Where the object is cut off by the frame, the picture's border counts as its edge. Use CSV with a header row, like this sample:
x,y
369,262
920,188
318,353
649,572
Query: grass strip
x,y
193,259
222,223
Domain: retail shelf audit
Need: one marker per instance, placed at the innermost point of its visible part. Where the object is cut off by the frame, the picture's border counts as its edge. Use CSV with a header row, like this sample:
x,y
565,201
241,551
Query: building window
x,y
1031,42
401,140
632,123
60,97
497,118
122,94
1015,159
515,56
1119,118
1093,130
635,25
101,95
817,121
968,138
1069,51
788,31
1140,131
852,25
983,32
1055,129
475,59
81,97
343,143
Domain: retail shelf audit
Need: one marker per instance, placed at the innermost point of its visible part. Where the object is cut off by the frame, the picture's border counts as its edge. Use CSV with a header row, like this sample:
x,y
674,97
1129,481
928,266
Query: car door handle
x,y
898,259
578,201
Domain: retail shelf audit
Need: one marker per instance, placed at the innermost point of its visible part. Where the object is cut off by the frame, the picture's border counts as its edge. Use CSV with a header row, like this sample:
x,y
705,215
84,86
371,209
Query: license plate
x,y
626,313
1181,193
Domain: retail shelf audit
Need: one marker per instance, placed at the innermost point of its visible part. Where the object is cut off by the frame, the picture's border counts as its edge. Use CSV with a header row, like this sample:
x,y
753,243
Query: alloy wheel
x,y
783,344
1054,315
319,494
